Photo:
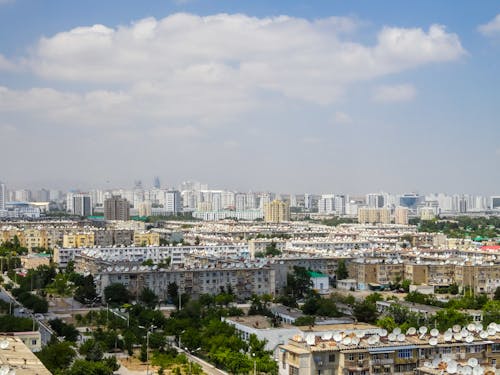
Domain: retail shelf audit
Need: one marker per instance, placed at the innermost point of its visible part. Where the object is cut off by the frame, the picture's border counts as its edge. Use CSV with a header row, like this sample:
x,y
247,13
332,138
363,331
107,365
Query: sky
x,y
287,96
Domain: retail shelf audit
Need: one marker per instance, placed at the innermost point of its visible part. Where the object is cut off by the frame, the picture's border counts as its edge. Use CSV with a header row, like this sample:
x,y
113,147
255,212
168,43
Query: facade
x,y
401,216
3,196
81,239
82,205
276,212
374,215
361,353
18,358
116,208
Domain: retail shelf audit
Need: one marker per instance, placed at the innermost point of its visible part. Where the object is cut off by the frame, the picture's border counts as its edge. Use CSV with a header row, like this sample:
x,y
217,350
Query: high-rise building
x,y
276,211
326,204
3,196
156,182
374,215
116,208
401,216
173,201
495,202
375,200
82,204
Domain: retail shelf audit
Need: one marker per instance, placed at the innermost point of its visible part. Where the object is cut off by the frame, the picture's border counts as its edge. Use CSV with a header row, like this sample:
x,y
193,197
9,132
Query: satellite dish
x,y
472,362
483,334
479,327
464,333
467,370
360,334
4,370
434,332
492,325
457,336
397,331
433,341
469,339
328,336
310,339
392,337
456,328
411,331
422,330
4,344
478,370
491,331
452,368
355,341
383,332
337,337
401,337
471,327
448,336
346,341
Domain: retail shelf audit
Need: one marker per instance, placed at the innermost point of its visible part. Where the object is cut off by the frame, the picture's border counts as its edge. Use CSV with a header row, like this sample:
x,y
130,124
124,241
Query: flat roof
x,y
20,358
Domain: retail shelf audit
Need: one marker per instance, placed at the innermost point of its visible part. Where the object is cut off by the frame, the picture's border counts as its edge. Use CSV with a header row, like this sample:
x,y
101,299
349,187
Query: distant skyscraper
x,y
495,202
3,196
375,200
307,201
156,182
116,208
82,204
276,212
173,201
401,215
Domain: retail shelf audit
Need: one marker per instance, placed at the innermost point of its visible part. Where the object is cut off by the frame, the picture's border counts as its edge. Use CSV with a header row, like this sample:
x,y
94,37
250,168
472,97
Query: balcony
x,y
385,361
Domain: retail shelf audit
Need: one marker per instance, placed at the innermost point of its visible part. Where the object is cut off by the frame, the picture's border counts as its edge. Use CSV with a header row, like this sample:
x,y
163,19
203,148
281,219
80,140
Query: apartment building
x,y
375,272
374,215
276,212
435,273
80,239
361,353
146,238
480,278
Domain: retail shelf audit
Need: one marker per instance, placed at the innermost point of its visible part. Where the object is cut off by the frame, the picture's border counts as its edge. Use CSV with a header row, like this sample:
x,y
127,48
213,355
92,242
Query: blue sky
x,y
291,96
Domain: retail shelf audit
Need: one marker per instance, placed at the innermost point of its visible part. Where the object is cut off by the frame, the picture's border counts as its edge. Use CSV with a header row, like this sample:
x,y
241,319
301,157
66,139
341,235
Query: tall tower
x,y
156,182
116,208
3,198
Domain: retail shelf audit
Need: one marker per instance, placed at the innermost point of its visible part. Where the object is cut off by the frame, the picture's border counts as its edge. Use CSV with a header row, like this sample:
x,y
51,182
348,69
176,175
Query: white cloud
x,y
186,71
5,64
341,118
491,28
394,93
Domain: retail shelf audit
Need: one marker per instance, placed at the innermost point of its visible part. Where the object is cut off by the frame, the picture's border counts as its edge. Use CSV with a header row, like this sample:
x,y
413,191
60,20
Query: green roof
x,y
316,274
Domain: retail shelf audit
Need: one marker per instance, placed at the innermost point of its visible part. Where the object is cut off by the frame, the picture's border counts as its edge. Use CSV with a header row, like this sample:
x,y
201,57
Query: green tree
x,y
116,294
57,356
365,311
85,291
69,332
81,367
496,297
341,273
447,318
148,298
491,312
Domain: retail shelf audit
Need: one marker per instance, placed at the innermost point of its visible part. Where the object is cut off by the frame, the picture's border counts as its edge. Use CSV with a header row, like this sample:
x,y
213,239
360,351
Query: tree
x,y
81,367
299,283
92,350
57,356
173,292
143,355
86,291
447,318
496,297
491,312
365,312
69,332
116,294
341,273
148,298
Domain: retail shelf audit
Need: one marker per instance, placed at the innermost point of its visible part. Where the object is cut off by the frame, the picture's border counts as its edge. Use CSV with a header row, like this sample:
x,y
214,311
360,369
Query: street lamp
x,y
254,364
150,329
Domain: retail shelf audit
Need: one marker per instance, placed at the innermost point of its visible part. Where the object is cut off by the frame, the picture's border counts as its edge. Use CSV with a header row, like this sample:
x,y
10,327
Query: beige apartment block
x,y
82,239
276,212
374,215
146,239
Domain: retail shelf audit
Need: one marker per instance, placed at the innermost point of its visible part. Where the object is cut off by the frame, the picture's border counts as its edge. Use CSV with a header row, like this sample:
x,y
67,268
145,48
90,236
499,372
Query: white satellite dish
x,y
479,327
491,332
492,325
360,334
472,362
478,370
452,368
411,331
448,336
310,339
391,337
469,339
464,333
483,334
397,331
383,333
355,341
376,339
401,337
422,330
434,332
456,328
328,336
4,370
346,341
467,370
471,327
4,344
433,341
337,337
457,336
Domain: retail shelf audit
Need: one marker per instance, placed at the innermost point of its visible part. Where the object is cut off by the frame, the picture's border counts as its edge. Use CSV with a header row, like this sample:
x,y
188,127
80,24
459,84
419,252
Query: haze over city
x,y
291,96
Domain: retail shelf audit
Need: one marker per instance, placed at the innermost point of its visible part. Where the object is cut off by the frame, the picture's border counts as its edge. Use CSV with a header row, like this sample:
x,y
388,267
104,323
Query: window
x,y
293,370
350,356
361,356
404,353
331,358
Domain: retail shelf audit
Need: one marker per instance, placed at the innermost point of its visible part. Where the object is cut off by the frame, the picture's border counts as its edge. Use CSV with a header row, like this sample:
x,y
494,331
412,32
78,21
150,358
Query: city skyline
x,y
287,97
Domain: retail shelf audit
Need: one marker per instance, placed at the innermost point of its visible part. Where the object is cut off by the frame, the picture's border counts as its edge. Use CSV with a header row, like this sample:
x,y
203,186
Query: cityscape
x,y
214,187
